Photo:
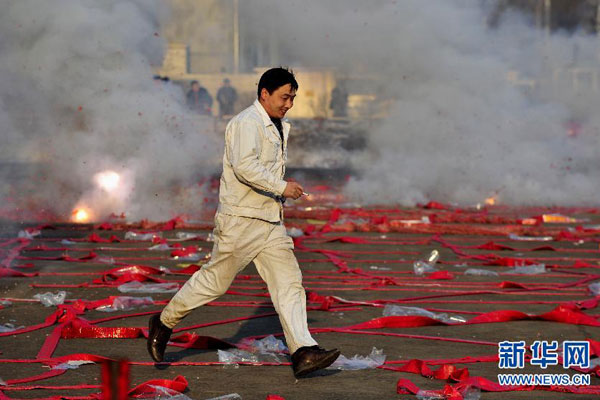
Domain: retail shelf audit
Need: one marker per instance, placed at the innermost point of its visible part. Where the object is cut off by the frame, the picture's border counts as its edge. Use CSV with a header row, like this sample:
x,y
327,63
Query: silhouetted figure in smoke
x,y
226,96
339,100
199,100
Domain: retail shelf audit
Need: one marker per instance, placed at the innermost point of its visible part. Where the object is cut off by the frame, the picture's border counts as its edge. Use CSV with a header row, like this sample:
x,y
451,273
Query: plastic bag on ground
x,y
163,393
480,272
187,235
130,235
28,233
189,257
472,393
512,236
376,268
595,288
72,364
528,269
235,356
5,303
139,287
421,267
49,299
429,395
270,344
399,311
160,247
232,396
67,242
105,260
295,232
125,303
8,327
373,360
423,220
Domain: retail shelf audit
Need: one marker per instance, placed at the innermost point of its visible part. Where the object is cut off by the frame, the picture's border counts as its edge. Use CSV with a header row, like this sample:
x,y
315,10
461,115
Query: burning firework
x,y
80,215
490,201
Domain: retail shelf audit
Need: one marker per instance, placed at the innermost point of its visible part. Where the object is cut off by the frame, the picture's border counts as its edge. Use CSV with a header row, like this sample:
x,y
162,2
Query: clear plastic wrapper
x,y
231,396
423,220
67,242
164,269
270,344
376,268
480,272
163,393
472,393
595,288
422,267
429,395
160,247
295,232
142,236
400,311
373,360
528,269
104,260
8,327
355,221
512,236
49,299
139,287
125,303
5,303
187,236
235,356
28,233
72,364
189,257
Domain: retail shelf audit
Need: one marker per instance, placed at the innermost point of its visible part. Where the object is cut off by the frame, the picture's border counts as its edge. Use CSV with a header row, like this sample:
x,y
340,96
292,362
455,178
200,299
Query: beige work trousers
x,y
238,241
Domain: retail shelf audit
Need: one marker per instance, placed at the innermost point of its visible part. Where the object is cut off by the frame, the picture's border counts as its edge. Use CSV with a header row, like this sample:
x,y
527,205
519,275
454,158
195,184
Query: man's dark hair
x,y
276,78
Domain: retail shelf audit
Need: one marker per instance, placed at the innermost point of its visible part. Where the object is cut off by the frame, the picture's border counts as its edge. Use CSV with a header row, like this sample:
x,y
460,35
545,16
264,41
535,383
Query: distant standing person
x,y
226,96
199,100
339,100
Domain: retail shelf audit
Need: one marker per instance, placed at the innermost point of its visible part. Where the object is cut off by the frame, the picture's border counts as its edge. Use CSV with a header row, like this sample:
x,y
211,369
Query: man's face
x,y
278,103
196,87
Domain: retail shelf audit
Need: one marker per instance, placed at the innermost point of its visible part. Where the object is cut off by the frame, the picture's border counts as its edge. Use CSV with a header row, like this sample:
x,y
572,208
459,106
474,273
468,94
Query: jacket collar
x,y
265,117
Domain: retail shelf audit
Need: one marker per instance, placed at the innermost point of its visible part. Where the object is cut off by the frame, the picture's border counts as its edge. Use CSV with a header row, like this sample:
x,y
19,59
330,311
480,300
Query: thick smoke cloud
x,y
458,132
77,97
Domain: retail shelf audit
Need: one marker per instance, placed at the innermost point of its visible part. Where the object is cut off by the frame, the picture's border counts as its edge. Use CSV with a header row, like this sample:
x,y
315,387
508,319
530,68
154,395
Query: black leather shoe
x,y
158,336
308,359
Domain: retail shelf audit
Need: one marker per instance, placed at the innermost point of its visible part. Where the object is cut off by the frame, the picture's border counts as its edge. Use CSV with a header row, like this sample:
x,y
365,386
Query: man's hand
x,y
293,190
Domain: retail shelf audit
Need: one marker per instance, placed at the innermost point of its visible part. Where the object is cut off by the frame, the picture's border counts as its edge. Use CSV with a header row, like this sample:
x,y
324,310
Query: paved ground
x,y
375,269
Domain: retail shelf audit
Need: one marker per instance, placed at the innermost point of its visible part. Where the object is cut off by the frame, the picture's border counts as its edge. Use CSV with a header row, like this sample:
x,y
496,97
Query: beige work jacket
x,y
253,166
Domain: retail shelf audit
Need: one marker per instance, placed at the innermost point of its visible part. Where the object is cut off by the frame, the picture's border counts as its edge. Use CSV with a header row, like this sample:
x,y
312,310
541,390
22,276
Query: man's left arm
x,y
244,144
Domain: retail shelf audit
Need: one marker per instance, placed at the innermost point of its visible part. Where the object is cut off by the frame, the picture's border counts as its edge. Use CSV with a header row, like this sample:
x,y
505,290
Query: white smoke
x,y
77,97
458,132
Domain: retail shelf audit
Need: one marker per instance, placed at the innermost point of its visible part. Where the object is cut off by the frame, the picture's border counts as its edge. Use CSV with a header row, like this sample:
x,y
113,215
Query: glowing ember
x,y
107,180
80,215
490,201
